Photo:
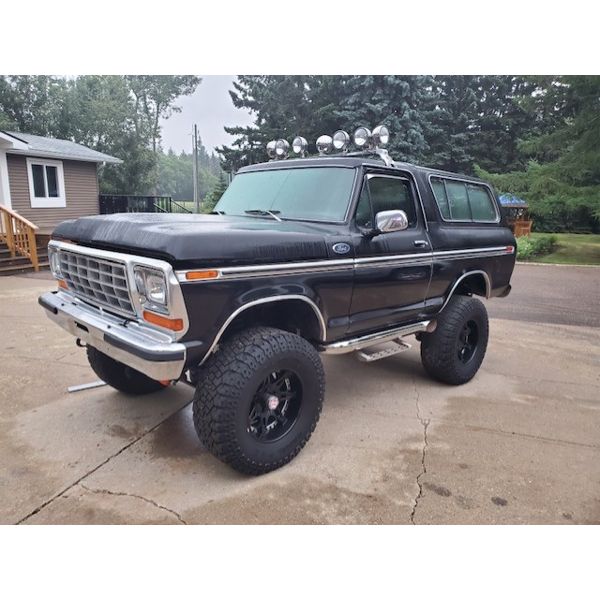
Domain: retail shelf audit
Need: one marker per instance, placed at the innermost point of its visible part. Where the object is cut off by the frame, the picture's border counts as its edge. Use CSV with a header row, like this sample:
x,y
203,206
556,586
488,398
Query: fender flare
x,y
267,300
486,278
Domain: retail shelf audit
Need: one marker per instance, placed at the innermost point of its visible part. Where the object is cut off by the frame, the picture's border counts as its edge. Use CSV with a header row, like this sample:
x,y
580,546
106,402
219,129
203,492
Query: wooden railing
x,y
19,235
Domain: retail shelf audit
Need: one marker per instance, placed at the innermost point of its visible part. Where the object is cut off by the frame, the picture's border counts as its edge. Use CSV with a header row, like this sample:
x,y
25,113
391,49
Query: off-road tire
x,y
120,376
440,349
227,388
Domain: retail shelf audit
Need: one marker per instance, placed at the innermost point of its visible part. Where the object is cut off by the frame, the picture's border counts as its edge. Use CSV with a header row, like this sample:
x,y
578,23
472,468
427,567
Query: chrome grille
x,y
102,282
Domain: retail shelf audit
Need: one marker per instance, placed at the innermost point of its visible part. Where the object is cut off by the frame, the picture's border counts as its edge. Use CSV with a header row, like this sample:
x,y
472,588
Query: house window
x,y
46,183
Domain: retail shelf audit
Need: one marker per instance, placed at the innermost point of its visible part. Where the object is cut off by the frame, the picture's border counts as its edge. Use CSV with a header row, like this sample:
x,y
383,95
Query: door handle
x,y
421,243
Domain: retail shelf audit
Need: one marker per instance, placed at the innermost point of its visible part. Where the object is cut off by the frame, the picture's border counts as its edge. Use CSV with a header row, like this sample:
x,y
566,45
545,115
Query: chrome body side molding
x,y
277,269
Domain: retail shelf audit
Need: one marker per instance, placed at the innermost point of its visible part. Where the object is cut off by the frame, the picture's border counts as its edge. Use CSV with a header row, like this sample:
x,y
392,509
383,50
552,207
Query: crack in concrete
x,y
148,500
425,424
99,466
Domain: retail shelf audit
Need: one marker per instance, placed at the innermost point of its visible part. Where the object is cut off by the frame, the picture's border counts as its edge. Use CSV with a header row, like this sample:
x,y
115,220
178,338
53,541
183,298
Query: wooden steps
x,y
16,265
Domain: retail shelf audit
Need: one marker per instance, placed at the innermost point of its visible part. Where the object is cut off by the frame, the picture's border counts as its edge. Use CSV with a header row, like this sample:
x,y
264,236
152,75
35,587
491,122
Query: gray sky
x,y
210,108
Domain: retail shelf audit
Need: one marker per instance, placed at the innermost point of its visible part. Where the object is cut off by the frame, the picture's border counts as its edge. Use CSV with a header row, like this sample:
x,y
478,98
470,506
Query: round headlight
x,y
381,135
299,145
341,140
282,149
324,144
362,137
271,149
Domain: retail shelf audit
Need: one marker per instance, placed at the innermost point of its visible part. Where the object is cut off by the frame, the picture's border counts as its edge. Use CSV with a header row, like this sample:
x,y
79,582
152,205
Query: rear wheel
x,y
120,376
454,352
258,399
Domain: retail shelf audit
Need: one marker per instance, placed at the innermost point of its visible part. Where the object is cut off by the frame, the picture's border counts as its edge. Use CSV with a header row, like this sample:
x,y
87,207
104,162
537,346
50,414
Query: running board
x,y
380,337
399,346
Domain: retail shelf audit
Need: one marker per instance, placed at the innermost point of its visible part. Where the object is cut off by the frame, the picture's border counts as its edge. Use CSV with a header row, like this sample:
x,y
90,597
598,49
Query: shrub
x,y
528,247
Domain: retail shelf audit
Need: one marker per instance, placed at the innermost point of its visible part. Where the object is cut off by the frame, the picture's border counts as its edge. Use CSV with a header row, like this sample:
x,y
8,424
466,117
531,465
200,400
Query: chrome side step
x,y
379,337
399,346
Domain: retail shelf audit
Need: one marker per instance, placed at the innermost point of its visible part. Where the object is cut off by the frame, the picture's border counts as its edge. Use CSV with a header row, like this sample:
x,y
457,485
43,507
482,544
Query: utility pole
x,y
195,165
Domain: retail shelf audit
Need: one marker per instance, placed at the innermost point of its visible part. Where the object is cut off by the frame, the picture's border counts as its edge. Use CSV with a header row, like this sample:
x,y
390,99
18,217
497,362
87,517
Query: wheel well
x,y
295,316
473,284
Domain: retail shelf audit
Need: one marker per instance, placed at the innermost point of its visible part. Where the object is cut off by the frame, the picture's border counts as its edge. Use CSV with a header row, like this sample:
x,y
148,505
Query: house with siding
x,y
43,181
47,180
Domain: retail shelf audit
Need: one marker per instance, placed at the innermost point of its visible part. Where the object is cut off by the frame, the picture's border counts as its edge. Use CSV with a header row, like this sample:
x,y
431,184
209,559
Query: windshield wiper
x,y
264,213
217,212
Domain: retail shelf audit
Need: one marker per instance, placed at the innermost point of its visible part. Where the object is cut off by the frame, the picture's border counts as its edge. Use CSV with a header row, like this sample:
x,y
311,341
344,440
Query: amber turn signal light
x,y
172,324
62,284
192,275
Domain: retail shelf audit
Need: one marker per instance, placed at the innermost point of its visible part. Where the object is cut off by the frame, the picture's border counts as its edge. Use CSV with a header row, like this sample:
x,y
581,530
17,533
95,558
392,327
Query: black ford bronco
x,y
350,252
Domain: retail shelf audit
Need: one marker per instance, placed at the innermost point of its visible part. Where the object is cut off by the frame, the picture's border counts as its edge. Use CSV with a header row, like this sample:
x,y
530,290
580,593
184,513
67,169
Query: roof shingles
x,y
54,148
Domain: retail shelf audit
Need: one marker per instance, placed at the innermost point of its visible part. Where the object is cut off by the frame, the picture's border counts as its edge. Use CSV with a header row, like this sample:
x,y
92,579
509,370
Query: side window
x,y
439,191
458,201
364,216
385,193
481,203
461,201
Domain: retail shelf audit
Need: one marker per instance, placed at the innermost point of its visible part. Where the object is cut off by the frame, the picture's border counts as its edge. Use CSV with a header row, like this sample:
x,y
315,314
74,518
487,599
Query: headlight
x,y
381,135
152,287
341,140
54,259
362,137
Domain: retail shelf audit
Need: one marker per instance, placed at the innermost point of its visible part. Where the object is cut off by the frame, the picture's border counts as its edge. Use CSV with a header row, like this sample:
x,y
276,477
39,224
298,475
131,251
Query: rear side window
x,y
462,201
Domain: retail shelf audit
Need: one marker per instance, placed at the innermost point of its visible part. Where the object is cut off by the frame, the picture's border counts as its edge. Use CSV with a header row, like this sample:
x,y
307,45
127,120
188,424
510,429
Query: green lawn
x,y
572,249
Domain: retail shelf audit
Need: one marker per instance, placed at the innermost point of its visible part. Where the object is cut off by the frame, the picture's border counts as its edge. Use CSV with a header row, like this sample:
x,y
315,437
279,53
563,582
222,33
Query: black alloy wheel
x,y
275,406
467,341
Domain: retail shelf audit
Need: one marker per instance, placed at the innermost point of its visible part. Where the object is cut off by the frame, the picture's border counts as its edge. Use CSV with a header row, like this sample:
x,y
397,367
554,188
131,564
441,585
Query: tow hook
x,y
80,344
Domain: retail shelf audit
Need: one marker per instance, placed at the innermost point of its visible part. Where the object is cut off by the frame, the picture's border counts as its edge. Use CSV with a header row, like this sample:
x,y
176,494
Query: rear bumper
x,y
138,346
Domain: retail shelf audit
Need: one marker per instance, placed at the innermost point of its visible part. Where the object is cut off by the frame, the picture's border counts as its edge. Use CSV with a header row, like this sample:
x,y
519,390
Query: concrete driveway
x,y
519,444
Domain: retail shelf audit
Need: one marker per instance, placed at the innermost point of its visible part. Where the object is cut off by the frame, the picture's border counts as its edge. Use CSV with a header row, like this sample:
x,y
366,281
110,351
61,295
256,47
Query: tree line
x,y
117,115
537,137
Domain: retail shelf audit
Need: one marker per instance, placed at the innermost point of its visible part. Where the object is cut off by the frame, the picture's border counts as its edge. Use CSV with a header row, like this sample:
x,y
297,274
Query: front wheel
x,y
454,352
258,399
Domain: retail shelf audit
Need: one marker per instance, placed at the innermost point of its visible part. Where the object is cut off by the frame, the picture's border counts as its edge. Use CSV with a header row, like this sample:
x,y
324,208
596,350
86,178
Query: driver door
x,y
393,269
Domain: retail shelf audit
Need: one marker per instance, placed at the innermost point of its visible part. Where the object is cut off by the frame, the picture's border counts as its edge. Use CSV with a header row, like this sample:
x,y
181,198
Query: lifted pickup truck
x,y
332,254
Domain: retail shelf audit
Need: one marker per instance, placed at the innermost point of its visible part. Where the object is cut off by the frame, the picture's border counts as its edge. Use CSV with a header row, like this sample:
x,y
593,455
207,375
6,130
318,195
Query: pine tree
x,y
215,194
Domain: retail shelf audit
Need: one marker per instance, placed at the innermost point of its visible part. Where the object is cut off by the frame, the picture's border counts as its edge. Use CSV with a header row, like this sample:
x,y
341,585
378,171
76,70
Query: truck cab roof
x,y
354,160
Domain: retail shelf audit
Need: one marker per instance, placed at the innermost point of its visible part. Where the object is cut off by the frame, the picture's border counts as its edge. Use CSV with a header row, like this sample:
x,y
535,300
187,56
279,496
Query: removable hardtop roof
x,y
352,161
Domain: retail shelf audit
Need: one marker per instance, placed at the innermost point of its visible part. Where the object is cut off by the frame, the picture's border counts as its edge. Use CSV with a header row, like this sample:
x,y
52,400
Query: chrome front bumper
x,y
138,346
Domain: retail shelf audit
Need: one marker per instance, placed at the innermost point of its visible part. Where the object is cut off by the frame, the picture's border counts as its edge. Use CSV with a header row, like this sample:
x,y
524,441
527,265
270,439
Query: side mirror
x,y
387,221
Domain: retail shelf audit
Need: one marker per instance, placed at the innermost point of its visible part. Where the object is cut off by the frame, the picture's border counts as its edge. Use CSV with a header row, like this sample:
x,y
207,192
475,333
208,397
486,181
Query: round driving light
x,y
381,135
324,144
282,149
271,149
341,140
362,137
299,145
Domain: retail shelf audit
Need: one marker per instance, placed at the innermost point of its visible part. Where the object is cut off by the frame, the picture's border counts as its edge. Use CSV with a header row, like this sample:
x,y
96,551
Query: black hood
x,y
200,239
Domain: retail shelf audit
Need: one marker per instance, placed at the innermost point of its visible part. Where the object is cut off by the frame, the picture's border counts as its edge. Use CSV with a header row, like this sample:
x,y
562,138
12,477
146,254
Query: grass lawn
x,y
572,249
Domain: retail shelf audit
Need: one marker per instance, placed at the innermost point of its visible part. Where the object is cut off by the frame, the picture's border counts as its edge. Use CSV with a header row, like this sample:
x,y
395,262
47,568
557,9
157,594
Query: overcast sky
x,y
210,108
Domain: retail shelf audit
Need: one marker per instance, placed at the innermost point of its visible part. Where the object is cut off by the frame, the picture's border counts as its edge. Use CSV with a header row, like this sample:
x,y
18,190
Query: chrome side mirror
x,y
387,221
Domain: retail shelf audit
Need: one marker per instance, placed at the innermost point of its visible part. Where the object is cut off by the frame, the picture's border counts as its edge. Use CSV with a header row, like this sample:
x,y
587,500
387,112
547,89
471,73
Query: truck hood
x,y
207,240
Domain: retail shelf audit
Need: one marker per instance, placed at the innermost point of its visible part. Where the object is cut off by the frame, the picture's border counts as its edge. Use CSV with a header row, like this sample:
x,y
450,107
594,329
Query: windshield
x,y
315,194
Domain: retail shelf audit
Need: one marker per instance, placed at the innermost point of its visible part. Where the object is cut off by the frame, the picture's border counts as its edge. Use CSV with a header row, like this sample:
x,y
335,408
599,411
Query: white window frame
x,y
61,200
